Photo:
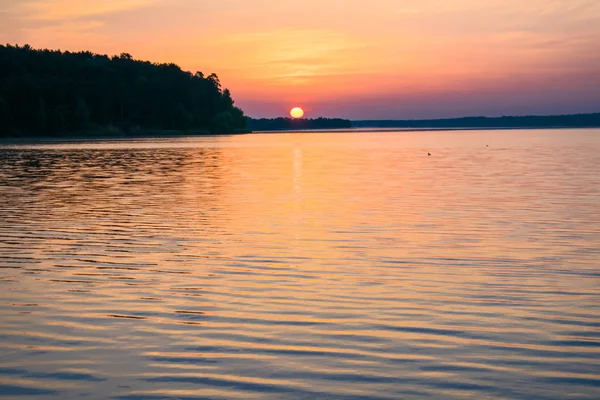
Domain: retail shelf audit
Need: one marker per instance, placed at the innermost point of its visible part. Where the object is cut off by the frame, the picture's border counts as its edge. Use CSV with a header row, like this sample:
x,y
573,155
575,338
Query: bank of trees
x,y
283,124
48,92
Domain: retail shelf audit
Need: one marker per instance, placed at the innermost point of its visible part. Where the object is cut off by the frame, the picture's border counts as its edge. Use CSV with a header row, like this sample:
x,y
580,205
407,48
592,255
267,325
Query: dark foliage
x,y
549,121
45,92
284,124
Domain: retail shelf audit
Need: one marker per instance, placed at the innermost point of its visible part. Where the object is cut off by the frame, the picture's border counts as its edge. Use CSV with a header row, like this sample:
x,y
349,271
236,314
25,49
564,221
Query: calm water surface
x,y
302,266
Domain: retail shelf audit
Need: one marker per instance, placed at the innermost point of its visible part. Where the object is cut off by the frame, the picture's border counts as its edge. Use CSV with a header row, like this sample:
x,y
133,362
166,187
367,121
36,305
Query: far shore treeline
x,y
50,92
288,124
507,122
529,121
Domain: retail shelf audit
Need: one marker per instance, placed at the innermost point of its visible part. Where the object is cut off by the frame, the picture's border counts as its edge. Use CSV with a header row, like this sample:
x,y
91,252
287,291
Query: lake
x,y
302,266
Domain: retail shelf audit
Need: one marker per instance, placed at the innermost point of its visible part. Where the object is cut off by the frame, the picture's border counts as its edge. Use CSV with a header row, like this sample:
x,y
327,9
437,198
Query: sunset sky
x,y
378,59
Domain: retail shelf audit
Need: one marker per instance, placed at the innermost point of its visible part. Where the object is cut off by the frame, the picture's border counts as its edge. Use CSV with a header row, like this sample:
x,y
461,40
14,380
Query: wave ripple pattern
x,y
302,266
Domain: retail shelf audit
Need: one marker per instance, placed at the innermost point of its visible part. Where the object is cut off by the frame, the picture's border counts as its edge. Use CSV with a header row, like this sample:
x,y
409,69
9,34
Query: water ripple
x,y
309,266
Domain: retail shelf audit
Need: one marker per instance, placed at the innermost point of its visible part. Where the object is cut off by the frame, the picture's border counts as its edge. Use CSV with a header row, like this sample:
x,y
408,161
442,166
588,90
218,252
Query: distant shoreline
x,y
576,121
391,129
591,120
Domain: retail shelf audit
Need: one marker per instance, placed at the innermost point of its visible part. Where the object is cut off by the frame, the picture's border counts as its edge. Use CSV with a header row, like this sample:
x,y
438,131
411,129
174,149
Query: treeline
x,y
46,92
547,121
284,124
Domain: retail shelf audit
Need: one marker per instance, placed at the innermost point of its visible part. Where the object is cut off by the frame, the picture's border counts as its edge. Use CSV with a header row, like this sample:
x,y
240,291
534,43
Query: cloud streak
x,y
60,10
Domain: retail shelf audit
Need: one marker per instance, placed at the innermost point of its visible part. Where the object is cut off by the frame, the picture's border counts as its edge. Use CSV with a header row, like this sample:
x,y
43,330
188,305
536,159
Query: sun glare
x,y
297,112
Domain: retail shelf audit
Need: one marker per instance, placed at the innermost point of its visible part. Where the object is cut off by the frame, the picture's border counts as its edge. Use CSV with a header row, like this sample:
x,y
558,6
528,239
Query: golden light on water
x,y
297,112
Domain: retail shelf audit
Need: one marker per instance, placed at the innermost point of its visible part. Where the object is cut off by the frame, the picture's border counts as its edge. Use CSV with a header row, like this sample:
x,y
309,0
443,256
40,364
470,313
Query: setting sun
x,y
297,112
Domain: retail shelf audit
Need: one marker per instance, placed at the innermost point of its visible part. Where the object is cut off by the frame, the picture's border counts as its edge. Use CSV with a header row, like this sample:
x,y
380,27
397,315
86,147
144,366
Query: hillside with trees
x,y
50,92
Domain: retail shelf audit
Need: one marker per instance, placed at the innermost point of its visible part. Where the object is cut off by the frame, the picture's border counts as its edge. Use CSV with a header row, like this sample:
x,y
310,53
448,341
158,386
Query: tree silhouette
x,y
48,92
276,124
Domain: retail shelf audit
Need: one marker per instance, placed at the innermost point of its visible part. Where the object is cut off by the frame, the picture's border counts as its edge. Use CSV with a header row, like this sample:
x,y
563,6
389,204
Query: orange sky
x,y
348,58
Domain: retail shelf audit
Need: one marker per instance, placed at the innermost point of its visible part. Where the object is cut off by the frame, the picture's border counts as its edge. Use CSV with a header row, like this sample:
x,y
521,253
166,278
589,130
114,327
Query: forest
x,y
50,92
285,124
